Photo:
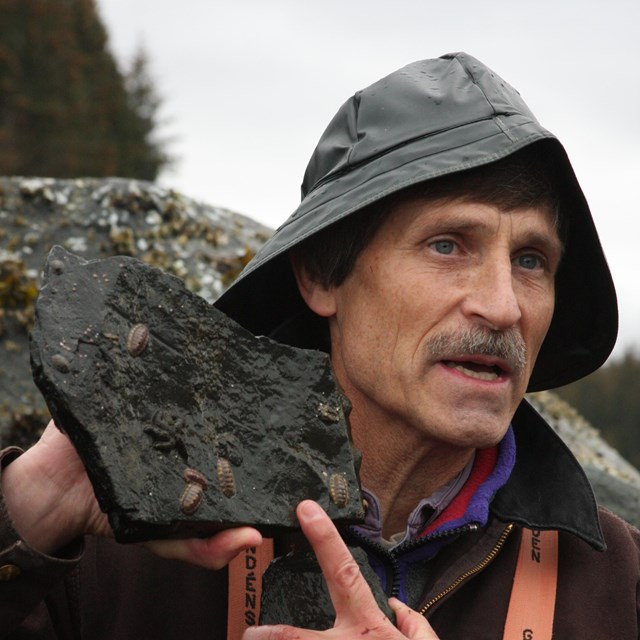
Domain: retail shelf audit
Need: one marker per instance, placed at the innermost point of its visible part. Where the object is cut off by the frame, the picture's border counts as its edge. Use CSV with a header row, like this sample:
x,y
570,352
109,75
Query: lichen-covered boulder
x,y
95,218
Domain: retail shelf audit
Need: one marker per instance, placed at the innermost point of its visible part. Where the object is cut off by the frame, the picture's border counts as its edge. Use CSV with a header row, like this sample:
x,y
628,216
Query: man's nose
x,y
491,299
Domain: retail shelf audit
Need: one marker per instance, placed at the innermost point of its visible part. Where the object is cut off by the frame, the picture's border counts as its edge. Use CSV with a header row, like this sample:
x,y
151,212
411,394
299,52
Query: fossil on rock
x,y
186,422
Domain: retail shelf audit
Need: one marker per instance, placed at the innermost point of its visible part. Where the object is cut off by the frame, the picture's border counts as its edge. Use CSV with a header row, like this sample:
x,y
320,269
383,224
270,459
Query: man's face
x,y
437,328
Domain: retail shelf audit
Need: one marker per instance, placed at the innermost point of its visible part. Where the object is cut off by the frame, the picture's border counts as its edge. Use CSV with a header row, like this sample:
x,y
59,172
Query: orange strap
x,y
533,596
531,607
245,588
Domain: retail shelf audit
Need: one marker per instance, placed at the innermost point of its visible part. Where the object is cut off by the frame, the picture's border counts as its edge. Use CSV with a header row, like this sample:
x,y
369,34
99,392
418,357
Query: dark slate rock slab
x,y
295,591
186,422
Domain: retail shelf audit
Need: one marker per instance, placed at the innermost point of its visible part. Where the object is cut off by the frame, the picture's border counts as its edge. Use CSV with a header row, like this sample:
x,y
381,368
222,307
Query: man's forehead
x,y
460,210
468,214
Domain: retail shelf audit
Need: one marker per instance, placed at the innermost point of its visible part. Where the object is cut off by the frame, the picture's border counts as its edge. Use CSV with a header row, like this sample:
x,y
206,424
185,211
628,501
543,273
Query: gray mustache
x,y
507,345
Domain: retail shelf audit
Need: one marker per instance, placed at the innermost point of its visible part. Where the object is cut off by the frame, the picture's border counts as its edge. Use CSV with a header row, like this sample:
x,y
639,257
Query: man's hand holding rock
x,y
51,503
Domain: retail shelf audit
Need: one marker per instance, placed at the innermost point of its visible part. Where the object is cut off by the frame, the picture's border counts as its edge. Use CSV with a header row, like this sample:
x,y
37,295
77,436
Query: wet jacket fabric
x,y
122,591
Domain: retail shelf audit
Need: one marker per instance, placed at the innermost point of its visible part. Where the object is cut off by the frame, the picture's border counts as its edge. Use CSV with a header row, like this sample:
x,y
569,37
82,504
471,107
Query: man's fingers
x,y
410,623
349,591
210,553
280,632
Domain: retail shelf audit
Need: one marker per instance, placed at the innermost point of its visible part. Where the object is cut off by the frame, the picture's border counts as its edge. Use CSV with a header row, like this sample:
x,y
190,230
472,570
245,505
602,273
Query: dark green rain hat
x,y
429,119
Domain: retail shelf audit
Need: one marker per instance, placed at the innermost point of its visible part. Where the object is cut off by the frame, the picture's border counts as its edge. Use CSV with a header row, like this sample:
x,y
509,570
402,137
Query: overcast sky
x,y
249,86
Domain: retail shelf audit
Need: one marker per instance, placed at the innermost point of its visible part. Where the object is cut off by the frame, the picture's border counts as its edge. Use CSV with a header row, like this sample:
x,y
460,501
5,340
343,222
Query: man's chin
x,y
477,430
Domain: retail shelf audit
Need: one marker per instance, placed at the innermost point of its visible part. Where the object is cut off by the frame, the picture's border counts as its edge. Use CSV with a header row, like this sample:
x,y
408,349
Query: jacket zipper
x,y
390,558
385,556
471,572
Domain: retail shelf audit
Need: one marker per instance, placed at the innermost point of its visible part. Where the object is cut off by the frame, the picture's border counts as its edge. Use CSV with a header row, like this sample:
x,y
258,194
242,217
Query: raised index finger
x,y
350,593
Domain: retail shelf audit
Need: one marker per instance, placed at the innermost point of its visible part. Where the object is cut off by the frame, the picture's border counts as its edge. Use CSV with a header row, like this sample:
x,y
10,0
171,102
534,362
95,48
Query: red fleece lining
x,y
483,467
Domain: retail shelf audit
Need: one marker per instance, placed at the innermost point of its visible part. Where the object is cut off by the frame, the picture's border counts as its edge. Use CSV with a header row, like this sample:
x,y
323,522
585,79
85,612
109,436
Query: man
x,y
444,255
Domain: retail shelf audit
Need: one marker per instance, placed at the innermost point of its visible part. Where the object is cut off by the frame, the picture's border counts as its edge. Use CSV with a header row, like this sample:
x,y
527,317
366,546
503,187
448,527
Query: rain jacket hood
x,y
429,119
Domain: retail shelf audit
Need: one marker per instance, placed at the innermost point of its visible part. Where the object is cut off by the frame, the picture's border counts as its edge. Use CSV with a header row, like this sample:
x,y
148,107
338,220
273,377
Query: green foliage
x,y
610,400
65,108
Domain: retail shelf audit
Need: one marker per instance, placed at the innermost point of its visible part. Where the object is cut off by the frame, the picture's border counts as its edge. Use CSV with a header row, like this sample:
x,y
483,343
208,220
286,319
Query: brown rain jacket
x,y
111,591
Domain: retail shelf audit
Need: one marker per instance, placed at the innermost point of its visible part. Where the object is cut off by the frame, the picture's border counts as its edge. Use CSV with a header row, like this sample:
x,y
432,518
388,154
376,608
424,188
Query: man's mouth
x,y
476,370
480,353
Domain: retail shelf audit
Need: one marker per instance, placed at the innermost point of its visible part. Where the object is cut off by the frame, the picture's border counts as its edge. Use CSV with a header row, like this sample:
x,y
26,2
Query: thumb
x,y
410,623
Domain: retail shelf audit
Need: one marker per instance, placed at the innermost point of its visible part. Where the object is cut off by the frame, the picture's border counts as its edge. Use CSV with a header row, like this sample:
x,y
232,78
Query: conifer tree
x,y
65,108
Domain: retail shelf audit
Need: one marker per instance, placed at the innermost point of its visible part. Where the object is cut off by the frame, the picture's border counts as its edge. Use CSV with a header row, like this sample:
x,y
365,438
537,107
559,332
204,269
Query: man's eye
x,y
444,246
529,261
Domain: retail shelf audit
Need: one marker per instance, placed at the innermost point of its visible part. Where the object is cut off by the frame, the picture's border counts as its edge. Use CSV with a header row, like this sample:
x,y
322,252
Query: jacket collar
x,y
547,488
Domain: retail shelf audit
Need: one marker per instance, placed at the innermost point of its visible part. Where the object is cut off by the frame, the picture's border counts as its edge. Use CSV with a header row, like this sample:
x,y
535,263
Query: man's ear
x,y
317,297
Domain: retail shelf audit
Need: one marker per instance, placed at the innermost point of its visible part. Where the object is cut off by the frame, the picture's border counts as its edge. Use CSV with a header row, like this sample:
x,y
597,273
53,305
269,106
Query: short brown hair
x,y
526,178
